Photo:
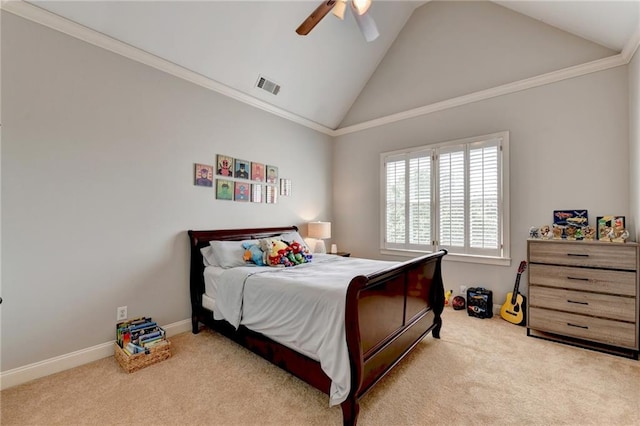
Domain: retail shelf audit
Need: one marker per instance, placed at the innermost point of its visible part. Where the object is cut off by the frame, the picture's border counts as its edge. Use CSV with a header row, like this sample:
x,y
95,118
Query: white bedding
x,y
302,307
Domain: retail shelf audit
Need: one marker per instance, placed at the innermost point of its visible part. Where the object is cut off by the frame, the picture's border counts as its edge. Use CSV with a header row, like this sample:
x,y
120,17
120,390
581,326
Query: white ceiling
x,y
233,42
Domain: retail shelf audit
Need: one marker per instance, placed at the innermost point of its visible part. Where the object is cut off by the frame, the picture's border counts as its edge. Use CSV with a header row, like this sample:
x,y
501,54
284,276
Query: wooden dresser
x,y
585,293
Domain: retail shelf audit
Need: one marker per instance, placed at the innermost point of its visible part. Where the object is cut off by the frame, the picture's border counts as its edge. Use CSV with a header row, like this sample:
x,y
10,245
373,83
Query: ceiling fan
x,y
359,8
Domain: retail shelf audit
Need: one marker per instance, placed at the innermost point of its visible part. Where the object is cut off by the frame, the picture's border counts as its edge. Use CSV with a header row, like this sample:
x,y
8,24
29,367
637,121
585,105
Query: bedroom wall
x,y
476,45
634,142
568,147
97,187
569,141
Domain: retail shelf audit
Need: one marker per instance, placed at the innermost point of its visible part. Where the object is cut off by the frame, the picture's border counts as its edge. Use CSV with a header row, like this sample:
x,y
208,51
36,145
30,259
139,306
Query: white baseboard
x,y
496,309
20,375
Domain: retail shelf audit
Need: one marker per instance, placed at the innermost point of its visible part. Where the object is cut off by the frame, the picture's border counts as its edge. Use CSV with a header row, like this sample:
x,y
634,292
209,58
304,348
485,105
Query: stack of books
x,y
139,335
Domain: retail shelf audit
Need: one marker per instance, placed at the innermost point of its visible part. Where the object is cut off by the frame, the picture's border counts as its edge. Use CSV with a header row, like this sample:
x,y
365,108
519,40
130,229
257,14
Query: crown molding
x,y
505,89
58,23
632,46
33,13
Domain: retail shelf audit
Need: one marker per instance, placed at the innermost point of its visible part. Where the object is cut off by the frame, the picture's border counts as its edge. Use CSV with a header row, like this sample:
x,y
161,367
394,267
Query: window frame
x,y
466,254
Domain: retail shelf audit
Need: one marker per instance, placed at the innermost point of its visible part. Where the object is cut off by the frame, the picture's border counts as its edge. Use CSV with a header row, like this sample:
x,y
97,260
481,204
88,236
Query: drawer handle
x,y
577,303
578,326
577,255
578,279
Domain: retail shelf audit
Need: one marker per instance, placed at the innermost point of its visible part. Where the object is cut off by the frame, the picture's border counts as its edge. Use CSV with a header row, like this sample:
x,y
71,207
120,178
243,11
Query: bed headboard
x,y
200,239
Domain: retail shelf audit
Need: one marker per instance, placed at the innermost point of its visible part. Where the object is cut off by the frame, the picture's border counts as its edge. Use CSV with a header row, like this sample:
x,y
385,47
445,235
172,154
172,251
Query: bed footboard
x,y
387,315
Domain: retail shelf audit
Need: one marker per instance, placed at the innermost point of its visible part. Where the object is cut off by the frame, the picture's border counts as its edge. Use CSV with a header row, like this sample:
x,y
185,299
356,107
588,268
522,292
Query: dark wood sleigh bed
x,y
387,314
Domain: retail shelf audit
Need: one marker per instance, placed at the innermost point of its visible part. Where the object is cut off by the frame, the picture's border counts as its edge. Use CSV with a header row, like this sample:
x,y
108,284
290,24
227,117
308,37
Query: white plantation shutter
x,y
451,193
420,199
452,198
483,197
395,196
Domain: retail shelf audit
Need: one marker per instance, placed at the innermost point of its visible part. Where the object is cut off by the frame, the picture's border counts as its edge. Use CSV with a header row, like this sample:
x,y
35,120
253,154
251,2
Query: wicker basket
x,y
135,362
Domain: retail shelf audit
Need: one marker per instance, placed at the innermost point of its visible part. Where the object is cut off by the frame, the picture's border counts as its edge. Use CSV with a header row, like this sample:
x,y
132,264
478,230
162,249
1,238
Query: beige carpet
x,y
480,372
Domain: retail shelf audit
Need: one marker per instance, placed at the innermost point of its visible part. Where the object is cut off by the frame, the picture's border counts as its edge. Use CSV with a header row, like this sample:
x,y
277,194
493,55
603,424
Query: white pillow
x,y
208,259
292,236
229,254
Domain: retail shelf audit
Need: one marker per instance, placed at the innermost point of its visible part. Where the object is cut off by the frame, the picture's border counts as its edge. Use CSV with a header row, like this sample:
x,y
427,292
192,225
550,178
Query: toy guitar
x,y
513,308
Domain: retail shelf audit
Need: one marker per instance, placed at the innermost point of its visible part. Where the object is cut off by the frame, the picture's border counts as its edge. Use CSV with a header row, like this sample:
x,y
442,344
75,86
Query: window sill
x,y
452,257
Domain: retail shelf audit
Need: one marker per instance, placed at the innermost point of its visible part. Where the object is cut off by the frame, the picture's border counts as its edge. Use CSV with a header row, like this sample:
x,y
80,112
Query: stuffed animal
x,y
274,250
253,254
300,252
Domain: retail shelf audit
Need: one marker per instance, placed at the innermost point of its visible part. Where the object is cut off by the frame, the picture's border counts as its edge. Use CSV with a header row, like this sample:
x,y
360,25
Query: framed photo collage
x,y
241,180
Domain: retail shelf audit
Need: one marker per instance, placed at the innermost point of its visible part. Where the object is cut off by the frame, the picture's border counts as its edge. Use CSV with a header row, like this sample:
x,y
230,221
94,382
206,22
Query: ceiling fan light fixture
x,y
339,9
361,6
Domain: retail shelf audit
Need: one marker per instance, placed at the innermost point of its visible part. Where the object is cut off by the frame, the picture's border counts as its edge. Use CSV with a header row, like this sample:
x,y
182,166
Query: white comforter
x,y
302,307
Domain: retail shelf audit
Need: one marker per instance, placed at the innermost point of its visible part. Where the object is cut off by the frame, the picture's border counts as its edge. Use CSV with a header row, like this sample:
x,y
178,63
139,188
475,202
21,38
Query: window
x,y
449,195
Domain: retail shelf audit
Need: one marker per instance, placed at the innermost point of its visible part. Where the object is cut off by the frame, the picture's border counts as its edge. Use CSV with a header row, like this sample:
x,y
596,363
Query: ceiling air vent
x,y
268,85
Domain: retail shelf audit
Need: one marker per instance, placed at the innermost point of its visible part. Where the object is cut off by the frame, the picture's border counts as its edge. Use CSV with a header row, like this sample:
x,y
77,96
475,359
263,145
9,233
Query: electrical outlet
x,y
121,313
463,289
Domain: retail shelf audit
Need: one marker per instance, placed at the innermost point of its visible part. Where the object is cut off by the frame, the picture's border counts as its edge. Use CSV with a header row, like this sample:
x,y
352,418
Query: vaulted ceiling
x,y
232,43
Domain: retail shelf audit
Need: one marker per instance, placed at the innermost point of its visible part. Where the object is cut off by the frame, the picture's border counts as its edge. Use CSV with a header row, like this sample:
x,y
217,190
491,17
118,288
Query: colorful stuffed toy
x,y
273,250
301,254
281,253
253,254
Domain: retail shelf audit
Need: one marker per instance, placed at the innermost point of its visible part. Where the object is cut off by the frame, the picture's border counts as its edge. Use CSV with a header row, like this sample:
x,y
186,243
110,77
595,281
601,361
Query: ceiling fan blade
x,y
340,8
367,25
315,17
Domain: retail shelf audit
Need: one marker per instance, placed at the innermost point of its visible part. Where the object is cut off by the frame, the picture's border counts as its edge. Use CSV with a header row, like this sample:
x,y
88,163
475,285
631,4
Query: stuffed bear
x,y
274,251
253,253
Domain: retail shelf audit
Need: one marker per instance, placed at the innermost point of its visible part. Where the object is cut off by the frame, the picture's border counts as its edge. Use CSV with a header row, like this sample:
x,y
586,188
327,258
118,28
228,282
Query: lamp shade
x,y
320,230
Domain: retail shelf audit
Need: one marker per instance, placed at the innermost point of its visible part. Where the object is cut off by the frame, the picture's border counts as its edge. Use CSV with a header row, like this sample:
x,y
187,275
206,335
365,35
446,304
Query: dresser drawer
x,y
583,327
590,254
594,304
598,280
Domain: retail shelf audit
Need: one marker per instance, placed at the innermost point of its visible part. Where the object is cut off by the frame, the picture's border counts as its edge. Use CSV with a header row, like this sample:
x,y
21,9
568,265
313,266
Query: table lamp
x,y
320,231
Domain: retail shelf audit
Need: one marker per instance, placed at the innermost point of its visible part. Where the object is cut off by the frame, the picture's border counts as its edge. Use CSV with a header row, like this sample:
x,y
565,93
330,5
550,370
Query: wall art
x,y
224,166
272,194
285,187
257,172
242,191
203,175
272,174
224,189
257,192
242,169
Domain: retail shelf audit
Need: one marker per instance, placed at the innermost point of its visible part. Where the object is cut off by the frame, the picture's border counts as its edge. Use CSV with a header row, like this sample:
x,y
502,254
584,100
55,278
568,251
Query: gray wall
x,y
98,152
634,142
97,187
449,49
569,141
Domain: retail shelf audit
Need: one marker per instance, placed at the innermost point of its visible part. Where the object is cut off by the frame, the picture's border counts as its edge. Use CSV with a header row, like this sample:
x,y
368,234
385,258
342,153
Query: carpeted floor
x,y
481,372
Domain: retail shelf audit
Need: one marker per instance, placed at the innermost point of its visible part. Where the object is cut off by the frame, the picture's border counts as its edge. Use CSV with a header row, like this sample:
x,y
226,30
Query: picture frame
x,y
203,175
569,224
257,172
610,228
257,192
224,165
241,169
272,174
570,217
285,187
224,189
242,191
272,194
